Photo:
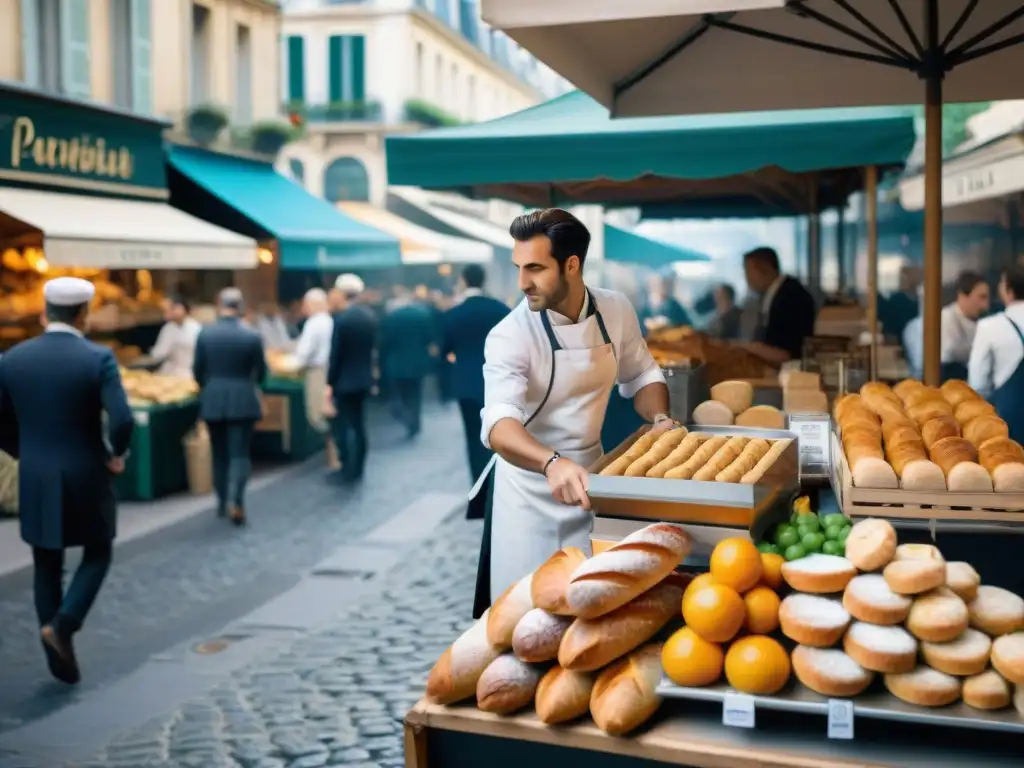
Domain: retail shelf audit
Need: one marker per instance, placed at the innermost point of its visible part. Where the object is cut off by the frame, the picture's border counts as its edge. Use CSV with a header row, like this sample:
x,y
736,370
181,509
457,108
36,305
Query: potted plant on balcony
x,y
270,136
205,123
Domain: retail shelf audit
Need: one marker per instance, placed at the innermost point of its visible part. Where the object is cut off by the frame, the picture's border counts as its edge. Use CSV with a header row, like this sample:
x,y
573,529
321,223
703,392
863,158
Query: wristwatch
x,y
547,464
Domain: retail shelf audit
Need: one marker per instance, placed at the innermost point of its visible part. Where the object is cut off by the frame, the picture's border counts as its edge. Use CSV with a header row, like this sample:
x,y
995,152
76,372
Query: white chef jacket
x,y
997,350
517,357
175,347
314,348
957,332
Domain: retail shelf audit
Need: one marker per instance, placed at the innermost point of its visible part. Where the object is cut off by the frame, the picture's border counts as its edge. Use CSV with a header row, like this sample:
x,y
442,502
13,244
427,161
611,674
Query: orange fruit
x,y
715,612
757,665
697,583
771,569
762,610
688,659
736,563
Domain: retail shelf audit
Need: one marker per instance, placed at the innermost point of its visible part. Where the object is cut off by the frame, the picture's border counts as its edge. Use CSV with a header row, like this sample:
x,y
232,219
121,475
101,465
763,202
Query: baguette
x,y
507,611
634,452
700,457
507,685
456,673
723,457
590,644
682,452
752,453
662,447
551,580
563,695
624,695
634,565
538,636
774,452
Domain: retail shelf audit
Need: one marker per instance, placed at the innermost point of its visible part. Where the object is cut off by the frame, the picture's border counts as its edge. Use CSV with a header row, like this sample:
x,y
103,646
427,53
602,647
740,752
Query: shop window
x,y
131,51
200,58
243,75
55,45
346,179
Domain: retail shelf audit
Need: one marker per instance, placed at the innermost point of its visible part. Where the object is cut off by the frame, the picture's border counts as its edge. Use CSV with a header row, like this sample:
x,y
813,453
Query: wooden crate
x,y
943,506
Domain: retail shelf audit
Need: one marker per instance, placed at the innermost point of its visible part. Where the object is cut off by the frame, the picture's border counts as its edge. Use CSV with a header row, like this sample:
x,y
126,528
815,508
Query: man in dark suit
x,y
466,326
58,387
229,368
787,309
407,334
350,375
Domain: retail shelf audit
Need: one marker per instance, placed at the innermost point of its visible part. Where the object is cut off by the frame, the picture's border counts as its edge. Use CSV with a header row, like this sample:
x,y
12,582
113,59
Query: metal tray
x,y
695,501
876,703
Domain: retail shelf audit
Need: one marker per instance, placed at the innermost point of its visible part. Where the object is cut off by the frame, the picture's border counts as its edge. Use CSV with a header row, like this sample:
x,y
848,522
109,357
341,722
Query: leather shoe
x,y
237,515
60,655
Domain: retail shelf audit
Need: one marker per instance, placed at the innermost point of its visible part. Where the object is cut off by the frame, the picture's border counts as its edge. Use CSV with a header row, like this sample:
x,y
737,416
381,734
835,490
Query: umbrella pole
x,y
871,216
932,310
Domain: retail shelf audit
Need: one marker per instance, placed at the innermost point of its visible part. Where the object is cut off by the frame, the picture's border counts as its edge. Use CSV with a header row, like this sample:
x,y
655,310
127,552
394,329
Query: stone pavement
x,y
191,580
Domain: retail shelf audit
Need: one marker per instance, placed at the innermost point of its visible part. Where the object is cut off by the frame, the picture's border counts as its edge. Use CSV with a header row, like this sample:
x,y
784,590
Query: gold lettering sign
x,y
82,154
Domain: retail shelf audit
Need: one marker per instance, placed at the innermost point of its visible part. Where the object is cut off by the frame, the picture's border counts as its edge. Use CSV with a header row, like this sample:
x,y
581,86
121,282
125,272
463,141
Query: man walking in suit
x,y
350,375
466,326
58,387
407,334
229,368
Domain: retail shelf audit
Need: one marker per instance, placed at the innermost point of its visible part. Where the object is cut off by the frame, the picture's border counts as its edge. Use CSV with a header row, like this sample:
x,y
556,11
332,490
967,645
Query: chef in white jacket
x,y
549,369
175,346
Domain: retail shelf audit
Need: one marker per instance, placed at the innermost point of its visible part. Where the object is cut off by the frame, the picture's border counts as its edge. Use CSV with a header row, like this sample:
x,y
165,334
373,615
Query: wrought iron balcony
x,y
335,112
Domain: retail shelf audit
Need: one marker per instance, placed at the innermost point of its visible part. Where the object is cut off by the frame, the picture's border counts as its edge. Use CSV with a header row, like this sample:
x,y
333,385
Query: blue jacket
x,y
466,326
229,367
350,365
59,386
406,335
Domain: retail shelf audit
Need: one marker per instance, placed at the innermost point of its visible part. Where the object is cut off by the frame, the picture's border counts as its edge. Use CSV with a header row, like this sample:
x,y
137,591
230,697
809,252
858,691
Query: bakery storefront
x,y
83,192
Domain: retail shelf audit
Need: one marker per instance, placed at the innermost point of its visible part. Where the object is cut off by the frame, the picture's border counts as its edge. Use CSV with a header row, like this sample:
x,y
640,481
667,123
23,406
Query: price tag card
x,y
813,440
738,710
840,719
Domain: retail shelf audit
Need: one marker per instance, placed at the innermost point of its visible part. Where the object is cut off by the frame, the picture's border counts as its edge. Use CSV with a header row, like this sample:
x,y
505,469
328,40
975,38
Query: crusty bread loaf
x,y
987,690
871,544
984,428
996,611
905,387
507,611
830,672
624,695
634,452
901,454
680,454
456,673
550,582
661,449
957,458
922,394
538,635
590,644
766,462
507,685
966,654
905,433
737,395
1003,459
563,695
873,472
922,475
924,687
723,457
1008,657
634,565
898,424
957,391
712,413
969,410
938,428
752,453
926,410
700,457
762,417
846,404
880,398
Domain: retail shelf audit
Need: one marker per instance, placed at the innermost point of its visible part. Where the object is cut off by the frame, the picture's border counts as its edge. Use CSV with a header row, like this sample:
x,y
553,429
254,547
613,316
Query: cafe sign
x,y
57,144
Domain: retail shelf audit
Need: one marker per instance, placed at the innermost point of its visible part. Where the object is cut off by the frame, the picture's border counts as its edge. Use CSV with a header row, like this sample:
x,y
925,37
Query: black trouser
x,y
478,454
409,403
230,443
349,428
67,611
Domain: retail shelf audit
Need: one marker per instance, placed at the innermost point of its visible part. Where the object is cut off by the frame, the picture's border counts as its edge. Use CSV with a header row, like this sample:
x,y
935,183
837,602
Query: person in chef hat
x,y
68,459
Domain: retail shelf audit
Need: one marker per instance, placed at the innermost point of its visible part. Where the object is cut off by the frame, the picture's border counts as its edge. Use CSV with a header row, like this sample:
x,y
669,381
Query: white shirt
x,y
997,350
769,296
957,333
175,348
314,348
517,357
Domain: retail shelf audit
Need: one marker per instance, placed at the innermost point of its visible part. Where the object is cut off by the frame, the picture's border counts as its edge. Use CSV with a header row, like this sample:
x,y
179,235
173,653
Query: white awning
x,y
477,229
420,245
109,233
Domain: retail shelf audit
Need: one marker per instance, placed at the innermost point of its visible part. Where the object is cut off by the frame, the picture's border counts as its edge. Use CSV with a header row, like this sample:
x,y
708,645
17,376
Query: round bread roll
x,y
984,428
957,391
967,654
963,579
987,691
912,577
819,574
1008,657
939,428
924,687
996,611
829,671
871,544
918,552
869,598
881,649
813,620
713,413
969,410
737,395
938,616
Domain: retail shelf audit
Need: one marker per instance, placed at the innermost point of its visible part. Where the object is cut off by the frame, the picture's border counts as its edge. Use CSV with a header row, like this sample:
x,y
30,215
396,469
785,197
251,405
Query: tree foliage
x,y
954,123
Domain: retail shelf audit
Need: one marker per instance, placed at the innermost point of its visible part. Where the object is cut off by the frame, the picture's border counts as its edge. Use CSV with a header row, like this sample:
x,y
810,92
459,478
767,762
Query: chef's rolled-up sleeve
x,y
637,367
506,371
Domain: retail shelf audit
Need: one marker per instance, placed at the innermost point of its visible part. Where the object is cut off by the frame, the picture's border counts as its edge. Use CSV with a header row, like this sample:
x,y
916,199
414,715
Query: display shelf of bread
x,y
731,404
722,361
920,450
146,389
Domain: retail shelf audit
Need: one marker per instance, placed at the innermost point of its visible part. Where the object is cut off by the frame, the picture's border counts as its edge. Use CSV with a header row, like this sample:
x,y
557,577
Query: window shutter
x,y
357,65
335,69
296,68
30,43
142,57
74,59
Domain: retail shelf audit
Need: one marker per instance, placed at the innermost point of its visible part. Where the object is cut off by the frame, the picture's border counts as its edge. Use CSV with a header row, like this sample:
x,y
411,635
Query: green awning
x,y
569,151
252,198
627,247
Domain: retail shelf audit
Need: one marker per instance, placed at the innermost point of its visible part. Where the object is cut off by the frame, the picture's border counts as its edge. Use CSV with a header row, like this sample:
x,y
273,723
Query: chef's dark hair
x,y
967,281
568,235
1014,277
473,276
765,256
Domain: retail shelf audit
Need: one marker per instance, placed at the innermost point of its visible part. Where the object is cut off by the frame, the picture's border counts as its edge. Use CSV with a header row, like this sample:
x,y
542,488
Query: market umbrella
x,y
627,247
650,57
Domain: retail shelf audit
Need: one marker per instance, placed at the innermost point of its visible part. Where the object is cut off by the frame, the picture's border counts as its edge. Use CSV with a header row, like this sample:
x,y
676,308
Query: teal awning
x,y
628,247
569,151
252,198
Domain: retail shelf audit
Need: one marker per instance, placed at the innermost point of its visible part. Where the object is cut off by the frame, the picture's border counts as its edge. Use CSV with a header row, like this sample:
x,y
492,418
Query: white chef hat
x,y
68,292
349,284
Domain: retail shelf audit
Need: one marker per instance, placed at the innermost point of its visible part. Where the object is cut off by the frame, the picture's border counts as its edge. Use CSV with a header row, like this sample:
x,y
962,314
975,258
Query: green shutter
x,y
142,57
296,68
75,70
357,52
335,70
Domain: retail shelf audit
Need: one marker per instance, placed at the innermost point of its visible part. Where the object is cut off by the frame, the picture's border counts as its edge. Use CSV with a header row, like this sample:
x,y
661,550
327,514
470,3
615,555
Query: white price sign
x,y
813,441
738,710
840,719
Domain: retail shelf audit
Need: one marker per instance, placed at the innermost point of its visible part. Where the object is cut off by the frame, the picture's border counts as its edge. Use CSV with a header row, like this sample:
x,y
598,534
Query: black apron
x,y
1009,398
482,503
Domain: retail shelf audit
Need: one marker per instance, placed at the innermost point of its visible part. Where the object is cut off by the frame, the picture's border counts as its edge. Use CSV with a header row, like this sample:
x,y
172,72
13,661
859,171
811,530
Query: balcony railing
x,y
336,112
427,114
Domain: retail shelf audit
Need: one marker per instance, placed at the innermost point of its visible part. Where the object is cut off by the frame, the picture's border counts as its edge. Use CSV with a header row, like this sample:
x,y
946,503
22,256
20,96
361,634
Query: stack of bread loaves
x,y
573,636
927,439
925,624
731,404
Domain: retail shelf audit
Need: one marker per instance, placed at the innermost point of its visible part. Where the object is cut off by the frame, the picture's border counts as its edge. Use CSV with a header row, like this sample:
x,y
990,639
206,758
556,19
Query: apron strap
x,y
1016,327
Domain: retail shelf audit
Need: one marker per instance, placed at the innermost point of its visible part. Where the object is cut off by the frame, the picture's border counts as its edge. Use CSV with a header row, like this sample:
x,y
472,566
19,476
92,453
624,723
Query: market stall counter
x,y
285,432
156,464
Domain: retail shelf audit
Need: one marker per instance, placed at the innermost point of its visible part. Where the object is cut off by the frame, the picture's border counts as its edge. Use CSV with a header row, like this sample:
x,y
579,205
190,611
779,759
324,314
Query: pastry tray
x,y
876,703
695,501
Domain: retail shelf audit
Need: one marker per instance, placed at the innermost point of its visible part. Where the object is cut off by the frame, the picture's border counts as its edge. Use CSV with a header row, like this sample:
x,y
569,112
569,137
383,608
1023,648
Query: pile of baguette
x,y
681,455
731,403
921,438
573,636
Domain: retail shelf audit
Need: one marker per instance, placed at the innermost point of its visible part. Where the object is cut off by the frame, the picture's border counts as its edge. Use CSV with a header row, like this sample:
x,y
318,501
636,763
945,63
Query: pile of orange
x,y
734,603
